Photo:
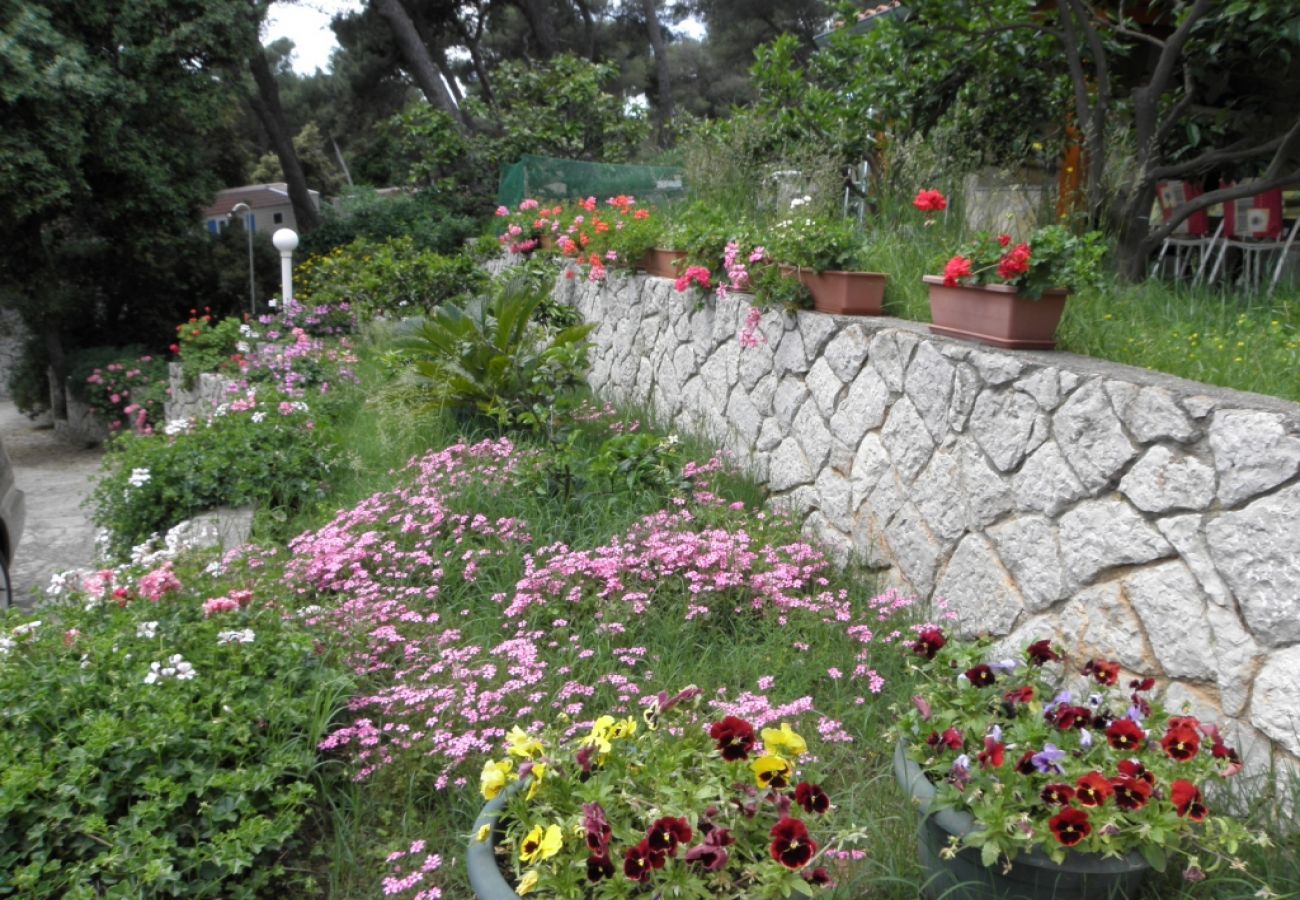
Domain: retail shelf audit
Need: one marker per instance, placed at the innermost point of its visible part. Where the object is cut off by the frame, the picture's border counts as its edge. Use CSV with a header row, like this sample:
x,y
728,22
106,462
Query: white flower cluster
x,y
139,477
247,331
8,642
176,668
258,417
147,630
236,637
174,427
800,201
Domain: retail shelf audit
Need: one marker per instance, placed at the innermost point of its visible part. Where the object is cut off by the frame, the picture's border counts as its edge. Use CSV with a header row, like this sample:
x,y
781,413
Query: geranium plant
x,y
676,804
820,243
1055,753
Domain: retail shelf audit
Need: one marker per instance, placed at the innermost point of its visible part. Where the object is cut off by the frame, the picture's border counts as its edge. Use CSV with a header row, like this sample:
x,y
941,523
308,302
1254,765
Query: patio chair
x,y
1192,242
1255,228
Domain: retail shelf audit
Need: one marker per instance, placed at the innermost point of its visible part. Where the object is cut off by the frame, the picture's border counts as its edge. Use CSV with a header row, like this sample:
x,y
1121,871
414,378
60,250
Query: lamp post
x,y
246,211
286,241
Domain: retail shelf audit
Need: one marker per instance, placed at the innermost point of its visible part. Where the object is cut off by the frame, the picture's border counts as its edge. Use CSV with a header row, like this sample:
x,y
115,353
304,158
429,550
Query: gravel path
x,y
56,477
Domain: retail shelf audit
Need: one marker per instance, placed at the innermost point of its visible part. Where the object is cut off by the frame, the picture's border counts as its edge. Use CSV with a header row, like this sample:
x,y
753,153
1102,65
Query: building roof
x,y
257,196
866,19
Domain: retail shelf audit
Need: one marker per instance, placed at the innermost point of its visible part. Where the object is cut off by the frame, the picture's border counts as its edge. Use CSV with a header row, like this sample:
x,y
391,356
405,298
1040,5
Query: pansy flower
x,y
599,867
667,833
993,754
1040,652
1067,717
1019,695
811,797
1181,741
1070,826
1125,734
541,844
980,676
1187,801
784,741
1135,769
640,861
1093,789
735,738
1056,794
929,642
1130,793
1103,671
772,771
791,845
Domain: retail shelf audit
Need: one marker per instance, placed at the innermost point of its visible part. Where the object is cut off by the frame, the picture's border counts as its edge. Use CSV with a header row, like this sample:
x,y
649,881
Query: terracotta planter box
x,y
844,293
663,263
995,314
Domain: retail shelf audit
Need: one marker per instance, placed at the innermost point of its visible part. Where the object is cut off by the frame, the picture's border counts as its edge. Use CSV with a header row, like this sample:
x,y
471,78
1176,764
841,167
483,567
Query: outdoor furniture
x,y
1192,242
1255,228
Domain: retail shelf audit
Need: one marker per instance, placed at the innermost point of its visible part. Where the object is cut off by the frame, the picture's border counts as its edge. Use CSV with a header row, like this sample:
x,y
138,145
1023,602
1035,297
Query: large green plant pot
x,y
481,860
1032,876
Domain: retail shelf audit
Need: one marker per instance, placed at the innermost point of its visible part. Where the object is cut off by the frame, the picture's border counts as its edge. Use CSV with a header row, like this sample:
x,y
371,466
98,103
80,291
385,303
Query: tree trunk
x,y
588,30
57,371
665,112
417,60
266,104
539,23
440,59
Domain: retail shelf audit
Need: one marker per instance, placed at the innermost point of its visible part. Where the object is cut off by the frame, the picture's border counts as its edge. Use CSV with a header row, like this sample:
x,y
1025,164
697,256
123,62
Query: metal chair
x,y
1192,242
1256,230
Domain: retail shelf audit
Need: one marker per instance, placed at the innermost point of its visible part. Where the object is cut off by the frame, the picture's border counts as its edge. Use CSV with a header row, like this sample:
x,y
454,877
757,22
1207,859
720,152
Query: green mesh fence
x,y
544,178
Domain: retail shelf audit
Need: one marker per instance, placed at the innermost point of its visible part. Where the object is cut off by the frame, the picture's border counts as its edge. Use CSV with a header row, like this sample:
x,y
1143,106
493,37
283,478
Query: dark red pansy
x,y
1056,794
599,867
1025,765
993,754
1181,742
811,797
791,845
1040,652
1070,826
1019,695
639,861
1103,671
597,829
818,877
952,739
1187,801
709,857
929,642
1220,750
980,676
735,738
1130,793
1135,769
666,833
1067,717
1093,789
1125,734
1142,684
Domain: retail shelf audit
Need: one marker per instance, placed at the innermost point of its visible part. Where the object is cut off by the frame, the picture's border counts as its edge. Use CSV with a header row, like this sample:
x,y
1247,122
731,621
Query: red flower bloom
x,y
1067,717
1019,695
1070,826
709,857
957,268
597,828
1015,263
1004,240
1056,794
980,676
929,642
599,867
1103,671
1187,801
818,877
1093,789
1180,741
1130,793
1135,769
1025,765
930,201
666,833
1125,734
811,797
952,739
791,845
993,754
735,738
640,860
1040,652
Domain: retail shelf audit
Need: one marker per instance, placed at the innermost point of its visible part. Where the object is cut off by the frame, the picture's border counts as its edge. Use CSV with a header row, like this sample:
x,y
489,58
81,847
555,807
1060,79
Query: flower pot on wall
x,y
995,314
663,263
1032,875
844,293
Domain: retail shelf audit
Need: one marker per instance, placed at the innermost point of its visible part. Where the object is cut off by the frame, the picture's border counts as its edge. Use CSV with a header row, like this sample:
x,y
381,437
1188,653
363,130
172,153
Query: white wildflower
x,y
259,417
174,427
236,637
185,672
242,346
6,645
85,660
147,630
214,568
26,628
139,477
155,673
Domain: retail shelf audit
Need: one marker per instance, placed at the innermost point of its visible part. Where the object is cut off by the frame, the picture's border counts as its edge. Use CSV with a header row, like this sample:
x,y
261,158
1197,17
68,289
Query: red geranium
x,y
1015,263
957,268
930,201
1070,826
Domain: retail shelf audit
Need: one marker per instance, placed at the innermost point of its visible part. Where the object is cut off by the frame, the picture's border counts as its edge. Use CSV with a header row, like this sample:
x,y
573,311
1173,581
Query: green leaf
x,y
989,854
1154,855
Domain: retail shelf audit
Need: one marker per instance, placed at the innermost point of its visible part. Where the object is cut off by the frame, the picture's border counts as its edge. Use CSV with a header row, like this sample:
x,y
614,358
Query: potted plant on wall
x,y
1011,294
823,252
675,803
1041,776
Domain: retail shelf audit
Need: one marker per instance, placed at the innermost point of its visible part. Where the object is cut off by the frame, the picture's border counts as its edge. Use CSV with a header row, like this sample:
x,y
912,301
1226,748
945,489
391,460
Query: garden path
x,y
56,476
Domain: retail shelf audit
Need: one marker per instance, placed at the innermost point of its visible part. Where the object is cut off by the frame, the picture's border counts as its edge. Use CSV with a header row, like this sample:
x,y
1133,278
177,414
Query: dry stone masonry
x,y
1150,519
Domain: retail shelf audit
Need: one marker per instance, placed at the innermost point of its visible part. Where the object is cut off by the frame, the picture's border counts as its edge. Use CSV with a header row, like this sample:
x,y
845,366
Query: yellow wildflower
x,y
623,729
483,831
539,844
523,744
495,776
527,882
784,741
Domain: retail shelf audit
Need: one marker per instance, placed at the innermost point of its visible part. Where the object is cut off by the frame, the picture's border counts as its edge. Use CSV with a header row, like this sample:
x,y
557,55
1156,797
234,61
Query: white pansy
x,y
139,477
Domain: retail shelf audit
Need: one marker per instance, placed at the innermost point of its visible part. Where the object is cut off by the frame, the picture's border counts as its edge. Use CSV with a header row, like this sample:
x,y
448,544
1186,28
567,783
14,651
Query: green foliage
x,y
438,157
489,358
114,787
394,277
276,456
205,345
817,243
433,223
1057,258
127,388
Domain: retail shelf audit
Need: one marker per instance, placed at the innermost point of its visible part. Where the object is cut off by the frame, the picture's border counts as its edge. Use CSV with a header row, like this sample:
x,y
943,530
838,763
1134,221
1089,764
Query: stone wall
x,y
197,401
1149,519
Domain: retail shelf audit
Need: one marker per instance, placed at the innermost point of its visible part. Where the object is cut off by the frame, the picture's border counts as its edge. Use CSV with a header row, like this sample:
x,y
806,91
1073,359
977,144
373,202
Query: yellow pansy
x,y
537,773
495,776
772,771
523,744
622,729
599,736
784,741
539,844
483,831
527,882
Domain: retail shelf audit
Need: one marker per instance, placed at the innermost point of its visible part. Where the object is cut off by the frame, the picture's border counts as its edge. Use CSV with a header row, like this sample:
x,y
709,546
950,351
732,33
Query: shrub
x,y
128,392
433,224
392,277
205,344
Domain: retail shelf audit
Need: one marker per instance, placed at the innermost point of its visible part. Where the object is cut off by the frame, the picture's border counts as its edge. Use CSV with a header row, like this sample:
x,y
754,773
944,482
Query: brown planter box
x,y
844,293
662,263
995,314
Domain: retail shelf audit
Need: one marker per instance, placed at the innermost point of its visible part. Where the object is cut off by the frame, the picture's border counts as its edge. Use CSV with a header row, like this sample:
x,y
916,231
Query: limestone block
x,y
929,385
668,385
790,355
1091,438
995,368
834,493
645,380
817,330
979,590
789,466
1046,483
1184,533
769,436
887,497
763,394
745,418
888,355
755,363
1101,534
966,387
906,438
813,435
847,351
1155,416
713,374
863,407
842,457
824,385
988,494
834,542
687,361
1257,550
1029,548
1273,707
1172,610
1252,453
1121,394
938,494
1199,407
913,548
869,464
788,400
1100,622
1003,424
1044,385
1236,658
1164,481
702,327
